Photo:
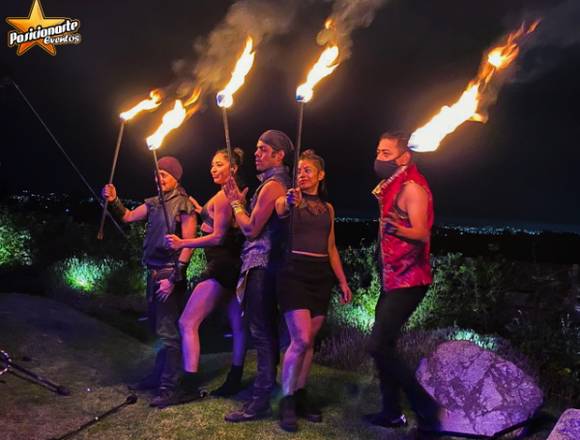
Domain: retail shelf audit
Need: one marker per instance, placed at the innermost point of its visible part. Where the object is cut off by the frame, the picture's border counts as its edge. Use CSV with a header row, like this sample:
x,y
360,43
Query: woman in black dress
x,y
221,241
305,282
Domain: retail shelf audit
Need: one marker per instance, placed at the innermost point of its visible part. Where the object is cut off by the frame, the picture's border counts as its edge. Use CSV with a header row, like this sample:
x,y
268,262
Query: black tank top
x,y
311,226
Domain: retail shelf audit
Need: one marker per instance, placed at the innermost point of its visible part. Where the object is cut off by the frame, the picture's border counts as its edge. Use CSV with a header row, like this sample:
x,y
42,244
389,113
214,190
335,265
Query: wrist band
x,y
117,208
239,209
238,206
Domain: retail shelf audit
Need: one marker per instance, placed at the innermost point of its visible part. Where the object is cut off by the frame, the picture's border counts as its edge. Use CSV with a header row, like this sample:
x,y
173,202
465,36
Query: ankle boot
x,y
288,419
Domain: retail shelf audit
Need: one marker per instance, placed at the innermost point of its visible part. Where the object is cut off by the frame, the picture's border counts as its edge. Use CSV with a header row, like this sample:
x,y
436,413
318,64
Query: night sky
x,y
417,55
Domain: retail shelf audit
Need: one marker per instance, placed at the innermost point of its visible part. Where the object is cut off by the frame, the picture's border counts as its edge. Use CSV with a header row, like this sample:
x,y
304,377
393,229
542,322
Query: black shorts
x,y
222,266
305,282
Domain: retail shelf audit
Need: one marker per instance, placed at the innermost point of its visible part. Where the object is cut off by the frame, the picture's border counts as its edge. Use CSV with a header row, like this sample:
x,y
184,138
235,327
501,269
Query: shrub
x,y
85,274
364,280
15,243
344,348
465,292
196,264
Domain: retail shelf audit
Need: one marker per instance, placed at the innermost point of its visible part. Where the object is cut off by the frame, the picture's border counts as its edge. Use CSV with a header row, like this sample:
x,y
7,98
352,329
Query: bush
x,y
16,243
196,264
466,292
84,274
345,348
523,303
364,280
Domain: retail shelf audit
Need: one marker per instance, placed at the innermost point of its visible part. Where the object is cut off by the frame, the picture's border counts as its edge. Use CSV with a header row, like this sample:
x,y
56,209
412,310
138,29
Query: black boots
x,y
187,390
288,419
233,383
305,409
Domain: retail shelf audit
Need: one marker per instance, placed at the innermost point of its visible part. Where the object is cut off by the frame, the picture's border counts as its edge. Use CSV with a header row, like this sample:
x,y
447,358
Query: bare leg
x,y
315,325
239,332
202,301
299,327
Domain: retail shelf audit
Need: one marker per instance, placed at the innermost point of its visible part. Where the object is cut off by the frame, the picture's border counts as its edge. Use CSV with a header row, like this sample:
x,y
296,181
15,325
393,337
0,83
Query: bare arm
x,y
415,203
281,207
188,227
335,262
221,223
252,224
135,215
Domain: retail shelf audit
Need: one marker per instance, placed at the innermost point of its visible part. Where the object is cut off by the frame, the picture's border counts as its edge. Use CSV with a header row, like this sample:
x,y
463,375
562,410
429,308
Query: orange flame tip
x,y
171,120
323,67
152,103
225,97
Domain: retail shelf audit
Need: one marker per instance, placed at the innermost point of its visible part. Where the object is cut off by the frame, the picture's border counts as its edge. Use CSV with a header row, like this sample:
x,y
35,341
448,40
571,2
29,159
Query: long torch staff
x,y
227,133
298,144
297,147
67,157
160,191
115,157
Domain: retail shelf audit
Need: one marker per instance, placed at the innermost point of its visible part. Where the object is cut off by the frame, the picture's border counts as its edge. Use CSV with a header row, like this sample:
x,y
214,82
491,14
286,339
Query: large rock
x,y
568,426
480,392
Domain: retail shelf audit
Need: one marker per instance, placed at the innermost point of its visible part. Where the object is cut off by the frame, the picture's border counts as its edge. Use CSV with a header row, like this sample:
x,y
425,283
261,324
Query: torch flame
x,y
469,106
323,67
171,120
147,104
244,64
194,97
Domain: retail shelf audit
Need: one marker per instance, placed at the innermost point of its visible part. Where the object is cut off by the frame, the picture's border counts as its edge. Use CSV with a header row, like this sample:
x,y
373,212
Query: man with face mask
x,y
406,218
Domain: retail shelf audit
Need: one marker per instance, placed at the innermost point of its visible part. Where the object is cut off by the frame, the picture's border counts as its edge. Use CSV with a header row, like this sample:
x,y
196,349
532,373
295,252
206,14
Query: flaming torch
x,y
171,120
152,103
325,65
224,98
477,96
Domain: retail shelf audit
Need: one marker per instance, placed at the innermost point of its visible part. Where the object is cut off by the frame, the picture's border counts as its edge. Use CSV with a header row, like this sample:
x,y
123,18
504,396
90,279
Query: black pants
x,y
164,317
260,307
392,311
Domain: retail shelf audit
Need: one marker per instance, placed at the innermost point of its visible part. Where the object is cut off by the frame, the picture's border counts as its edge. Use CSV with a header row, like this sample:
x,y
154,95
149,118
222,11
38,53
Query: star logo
x,y
32,25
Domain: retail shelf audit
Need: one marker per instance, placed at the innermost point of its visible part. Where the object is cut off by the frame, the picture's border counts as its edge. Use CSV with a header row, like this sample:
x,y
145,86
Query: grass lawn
x,y
95,361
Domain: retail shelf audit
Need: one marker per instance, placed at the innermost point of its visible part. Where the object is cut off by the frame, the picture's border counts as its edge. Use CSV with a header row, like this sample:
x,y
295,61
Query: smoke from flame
x,y
479,94
345,18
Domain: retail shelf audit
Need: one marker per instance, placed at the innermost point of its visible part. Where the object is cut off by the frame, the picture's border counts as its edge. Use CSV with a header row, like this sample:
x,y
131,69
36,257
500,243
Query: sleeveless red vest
x,y
404,263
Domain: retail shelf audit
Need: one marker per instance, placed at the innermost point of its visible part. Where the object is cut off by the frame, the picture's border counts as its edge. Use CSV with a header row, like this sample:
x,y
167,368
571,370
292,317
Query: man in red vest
x,y
406,218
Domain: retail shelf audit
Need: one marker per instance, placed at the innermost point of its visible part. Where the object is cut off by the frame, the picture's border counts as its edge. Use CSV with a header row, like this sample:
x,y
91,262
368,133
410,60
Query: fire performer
x,y
222,244
166,268
305,283
261,255
406,218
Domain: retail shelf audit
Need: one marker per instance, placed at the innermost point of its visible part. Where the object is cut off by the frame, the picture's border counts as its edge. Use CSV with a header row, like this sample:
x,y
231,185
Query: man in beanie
x,y
261,254
166,279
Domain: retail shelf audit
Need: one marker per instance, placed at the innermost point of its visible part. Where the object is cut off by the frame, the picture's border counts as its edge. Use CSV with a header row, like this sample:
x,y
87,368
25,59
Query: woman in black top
x,y
221,240
305,282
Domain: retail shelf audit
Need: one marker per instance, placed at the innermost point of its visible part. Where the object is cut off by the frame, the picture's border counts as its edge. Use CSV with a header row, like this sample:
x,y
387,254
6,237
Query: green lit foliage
x,y
466,292
196,264
15,243
364,280
86,274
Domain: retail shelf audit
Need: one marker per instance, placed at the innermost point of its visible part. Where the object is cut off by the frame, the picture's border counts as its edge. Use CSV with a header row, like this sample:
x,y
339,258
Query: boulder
x,y
568,426
480,393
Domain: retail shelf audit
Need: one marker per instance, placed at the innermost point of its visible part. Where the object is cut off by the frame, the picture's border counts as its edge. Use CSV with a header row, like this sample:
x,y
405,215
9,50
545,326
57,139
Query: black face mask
x,y
385,168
